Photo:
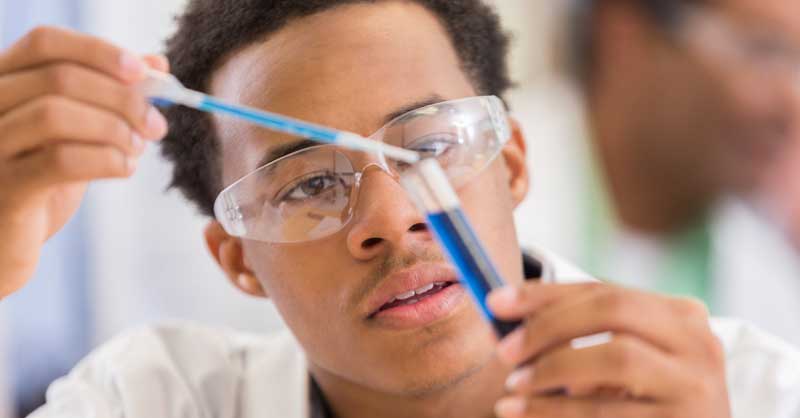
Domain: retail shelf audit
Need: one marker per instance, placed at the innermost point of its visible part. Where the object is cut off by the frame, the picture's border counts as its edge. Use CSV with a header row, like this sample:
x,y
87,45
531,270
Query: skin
x,y
675,127
452,367
49,79
360,68
780,194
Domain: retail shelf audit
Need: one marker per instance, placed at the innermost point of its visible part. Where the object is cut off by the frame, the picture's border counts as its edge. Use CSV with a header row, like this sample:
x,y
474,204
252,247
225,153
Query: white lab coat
x,y
182,370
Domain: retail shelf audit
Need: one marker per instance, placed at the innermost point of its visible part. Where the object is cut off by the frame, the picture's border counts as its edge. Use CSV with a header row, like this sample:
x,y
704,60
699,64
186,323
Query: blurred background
x,y
657,162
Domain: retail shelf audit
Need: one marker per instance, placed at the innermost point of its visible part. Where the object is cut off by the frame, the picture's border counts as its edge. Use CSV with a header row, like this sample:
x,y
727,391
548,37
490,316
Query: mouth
x,y
413,296
416,297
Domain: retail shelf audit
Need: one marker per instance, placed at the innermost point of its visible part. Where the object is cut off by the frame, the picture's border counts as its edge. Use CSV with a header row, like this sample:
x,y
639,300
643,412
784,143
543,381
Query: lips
x,y
415,296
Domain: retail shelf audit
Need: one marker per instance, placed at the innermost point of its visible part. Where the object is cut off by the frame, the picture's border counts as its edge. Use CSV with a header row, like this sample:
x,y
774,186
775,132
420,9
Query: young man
x,y
380,325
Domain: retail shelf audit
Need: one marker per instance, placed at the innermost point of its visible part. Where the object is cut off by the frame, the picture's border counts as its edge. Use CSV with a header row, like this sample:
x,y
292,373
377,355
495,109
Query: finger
x,y
157,62
71,162
87,86
626,362
45,45
545,407
53,119
646,316
514,302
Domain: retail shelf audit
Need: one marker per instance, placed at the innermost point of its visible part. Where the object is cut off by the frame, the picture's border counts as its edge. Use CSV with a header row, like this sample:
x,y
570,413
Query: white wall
x,y
148,253
141,25
534,25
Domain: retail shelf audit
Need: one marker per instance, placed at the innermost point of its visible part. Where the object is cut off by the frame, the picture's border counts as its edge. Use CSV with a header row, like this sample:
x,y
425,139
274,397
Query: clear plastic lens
x,y
309,194
303,196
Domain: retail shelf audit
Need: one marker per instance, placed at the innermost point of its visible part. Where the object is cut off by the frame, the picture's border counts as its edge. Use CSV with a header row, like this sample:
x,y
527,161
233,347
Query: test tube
x,y
431,191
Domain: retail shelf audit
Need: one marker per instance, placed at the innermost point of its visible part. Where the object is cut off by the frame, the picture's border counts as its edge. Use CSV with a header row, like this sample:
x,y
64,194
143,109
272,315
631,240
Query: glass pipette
x,y
165,87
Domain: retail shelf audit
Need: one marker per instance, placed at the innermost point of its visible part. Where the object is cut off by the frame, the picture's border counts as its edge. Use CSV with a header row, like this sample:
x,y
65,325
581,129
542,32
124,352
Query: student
x,y
333,241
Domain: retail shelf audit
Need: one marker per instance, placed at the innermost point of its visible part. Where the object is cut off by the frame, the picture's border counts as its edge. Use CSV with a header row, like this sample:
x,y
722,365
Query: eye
x,y
434,145
766,47
308,187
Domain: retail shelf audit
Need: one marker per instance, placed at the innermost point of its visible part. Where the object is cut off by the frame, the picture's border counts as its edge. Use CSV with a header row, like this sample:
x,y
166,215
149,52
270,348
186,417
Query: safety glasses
x,y
312,193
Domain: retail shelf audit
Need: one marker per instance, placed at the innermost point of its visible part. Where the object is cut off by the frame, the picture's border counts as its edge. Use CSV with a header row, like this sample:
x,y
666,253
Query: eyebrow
x,y
283,150
280,151
432,99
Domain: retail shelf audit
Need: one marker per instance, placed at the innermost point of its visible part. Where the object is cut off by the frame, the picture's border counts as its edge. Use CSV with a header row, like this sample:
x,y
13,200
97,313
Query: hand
x,y
69,113
662,361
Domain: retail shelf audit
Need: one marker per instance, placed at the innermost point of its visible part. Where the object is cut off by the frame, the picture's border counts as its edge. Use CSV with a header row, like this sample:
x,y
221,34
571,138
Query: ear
x,y
227,251
515,153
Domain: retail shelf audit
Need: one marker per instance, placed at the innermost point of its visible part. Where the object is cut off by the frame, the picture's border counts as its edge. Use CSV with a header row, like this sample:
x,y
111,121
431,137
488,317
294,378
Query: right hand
x,y
69,114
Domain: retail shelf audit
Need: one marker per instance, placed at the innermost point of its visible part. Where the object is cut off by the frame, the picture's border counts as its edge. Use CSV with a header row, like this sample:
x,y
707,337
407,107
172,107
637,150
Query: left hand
x,y
663,359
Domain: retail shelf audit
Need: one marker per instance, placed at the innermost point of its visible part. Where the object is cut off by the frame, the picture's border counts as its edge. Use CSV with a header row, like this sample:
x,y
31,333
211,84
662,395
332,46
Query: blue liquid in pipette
x,y
477,271
271,121
274,122
160,102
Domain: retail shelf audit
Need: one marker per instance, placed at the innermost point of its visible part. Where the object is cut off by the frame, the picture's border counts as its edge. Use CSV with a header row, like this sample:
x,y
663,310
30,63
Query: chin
x,y
433,383
434,360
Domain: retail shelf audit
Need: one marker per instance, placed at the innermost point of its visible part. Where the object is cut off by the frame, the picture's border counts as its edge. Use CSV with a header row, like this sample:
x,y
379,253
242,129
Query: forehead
x,y
348,68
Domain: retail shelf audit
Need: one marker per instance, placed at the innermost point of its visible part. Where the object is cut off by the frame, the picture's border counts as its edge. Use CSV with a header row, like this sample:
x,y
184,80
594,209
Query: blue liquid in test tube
x,y
432,193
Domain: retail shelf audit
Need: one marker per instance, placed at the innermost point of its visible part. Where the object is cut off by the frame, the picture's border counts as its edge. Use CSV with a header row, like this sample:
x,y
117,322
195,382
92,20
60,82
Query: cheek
x,y
488,204
304,282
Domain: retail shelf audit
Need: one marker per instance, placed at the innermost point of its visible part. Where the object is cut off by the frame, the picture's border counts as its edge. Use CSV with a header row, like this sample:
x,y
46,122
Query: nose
x,y
384,219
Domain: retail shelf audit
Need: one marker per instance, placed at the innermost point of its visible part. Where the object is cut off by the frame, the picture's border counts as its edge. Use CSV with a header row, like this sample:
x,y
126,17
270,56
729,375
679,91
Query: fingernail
x,y
509,348
511,407
132,67
156,124
131,164
519,377
136,143
504,296
164,61
242,280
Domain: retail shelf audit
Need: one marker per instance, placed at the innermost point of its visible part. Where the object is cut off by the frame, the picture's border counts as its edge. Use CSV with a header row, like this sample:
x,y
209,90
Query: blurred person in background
x,y
780,194
689,104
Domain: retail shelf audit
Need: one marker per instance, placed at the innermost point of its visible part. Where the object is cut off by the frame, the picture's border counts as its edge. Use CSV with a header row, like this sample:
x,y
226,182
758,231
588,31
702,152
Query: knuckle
x,y
60,158
132,104
701,388
38,40
614,304
690,308
115,163
623,355
49,113
60,78
547,367
538,328
117,131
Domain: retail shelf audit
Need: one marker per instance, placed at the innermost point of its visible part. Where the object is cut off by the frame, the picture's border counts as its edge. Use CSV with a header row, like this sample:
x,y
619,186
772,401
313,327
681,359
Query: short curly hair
x,y
210,31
